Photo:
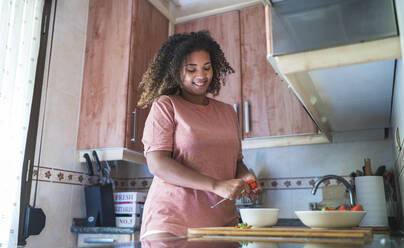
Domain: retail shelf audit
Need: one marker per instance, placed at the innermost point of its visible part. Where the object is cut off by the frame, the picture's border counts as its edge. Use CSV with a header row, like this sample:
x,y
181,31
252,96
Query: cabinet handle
x,y
235,108
134,126
99,240
246,117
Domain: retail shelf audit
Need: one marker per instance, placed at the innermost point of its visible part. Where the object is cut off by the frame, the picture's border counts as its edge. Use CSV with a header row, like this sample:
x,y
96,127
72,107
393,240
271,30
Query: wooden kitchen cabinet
x,y
272,108
122,38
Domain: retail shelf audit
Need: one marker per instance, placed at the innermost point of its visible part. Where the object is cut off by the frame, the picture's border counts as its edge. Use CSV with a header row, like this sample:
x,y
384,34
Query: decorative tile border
x,y
54,175
297,182
141,183
266,183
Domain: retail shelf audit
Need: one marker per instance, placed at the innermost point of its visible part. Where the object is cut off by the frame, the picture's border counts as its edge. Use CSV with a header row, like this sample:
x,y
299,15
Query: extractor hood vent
x,y
303,25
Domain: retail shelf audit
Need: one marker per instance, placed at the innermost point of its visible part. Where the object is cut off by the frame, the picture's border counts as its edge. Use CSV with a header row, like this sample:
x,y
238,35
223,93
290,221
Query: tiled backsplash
x,y
295,182
292,183
132,184
55,175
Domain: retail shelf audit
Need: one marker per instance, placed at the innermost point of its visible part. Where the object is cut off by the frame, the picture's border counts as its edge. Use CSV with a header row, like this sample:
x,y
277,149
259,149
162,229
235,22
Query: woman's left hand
x,y
253,194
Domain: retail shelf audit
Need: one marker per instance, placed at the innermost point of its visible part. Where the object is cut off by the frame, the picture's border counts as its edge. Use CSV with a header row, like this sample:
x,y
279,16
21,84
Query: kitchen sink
x,y
289,222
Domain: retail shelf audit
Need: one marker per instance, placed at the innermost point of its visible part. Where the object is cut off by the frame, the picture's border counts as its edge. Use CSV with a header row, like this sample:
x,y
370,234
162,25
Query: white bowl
x,y
330,219
259,217
321,245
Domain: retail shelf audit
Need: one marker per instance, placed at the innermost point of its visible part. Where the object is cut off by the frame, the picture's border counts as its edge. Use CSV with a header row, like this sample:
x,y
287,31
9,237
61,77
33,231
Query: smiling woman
x,y
191,142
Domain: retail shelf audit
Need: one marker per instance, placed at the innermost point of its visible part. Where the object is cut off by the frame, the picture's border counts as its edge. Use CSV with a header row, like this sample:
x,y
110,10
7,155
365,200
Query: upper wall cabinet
x,y
268,112
272,109
122,38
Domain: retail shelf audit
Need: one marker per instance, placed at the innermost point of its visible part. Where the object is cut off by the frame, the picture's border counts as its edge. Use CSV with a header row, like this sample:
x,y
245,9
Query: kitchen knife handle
x,y
368,169
134,125
89,164
246,118
97,161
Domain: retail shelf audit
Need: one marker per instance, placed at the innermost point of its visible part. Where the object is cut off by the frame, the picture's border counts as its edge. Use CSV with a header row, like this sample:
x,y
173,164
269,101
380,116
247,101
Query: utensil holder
x,y
370,194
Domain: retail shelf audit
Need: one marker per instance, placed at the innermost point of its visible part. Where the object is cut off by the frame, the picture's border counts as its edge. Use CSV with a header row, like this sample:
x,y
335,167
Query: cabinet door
x,y
122,38
105,77
225,29
273,109
149,31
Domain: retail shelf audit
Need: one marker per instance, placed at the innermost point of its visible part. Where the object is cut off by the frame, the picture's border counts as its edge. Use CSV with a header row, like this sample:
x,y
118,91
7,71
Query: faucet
x,y
342,180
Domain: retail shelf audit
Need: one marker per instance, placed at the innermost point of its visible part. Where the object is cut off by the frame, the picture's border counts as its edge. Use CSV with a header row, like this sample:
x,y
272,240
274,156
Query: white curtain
x,y
20,27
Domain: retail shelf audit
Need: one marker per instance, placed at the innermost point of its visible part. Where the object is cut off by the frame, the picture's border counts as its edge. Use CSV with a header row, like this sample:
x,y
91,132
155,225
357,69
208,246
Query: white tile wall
x,y
313,161
282,199
302,198
319,160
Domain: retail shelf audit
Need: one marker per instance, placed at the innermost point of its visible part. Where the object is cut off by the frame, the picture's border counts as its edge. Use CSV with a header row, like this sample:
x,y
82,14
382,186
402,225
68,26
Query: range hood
x,y
338,57
314,24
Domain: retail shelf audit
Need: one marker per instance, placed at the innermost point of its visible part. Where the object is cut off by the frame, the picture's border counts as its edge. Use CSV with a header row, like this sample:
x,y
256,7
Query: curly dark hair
x,y
162,77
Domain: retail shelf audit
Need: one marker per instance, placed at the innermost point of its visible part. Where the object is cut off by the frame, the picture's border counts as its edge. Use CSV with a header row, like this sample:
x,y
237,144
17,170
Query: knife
x,y
222,200
217,203
97,161
89,164
108,170
99,167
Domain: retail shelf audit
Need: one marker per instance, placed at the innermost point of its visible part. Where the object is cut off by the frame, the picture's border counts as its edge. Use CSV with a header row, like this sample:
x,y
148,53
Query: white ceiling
x,y
355,97
191,7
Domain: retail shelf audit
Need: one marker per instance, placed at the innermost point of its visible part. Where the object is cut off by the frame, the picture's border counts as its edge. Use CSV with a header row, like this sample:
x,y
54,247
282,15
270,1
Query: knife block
x,y
100,205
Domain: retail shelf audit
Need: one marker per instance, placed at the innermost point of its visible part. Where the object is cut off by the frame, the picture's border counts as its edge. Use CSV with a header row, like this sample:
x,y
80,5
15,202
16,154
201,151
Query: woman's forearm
x,y
163,166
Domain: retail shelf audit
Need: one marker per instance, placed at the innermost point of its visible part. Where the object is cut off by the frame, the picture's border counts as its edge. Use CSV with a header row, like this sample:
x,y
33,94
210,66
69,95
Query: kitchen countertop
x,y
100,229
379,241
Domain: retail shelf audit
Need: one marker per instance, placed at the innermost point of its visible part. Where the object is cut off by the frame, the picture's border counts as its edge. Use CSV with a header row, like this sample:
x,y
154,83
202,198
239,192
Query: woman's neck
x,y
201,100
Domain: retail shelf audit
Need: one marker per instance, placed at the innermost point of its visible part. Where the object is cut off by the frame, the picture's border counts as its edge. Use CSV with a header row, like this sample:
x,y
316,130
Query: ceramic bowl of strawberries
x,y
343,217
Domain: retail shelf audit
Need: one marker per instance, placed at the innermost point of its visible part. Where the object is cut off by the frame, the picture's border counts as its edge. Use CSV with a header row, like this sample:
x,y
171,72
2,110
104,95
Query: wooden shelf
x,y
119,153
295,140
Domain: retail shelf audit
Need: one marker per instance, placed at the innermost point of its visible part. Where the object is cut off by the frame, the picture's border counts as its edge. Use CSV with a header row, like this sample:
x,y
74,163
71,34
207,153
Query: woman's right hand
x,y
231,189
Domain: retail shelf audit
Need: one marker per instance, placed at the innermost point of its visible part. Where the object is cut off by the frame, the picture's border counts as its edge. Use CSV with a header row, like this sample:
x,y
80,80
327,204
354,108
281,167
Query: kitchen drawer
x,y
101,239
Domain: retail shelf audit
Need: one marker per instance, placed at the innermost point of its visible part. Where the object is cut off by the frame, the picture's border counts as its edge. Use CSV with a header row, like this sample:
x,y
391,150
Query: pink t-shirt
x,y
204,138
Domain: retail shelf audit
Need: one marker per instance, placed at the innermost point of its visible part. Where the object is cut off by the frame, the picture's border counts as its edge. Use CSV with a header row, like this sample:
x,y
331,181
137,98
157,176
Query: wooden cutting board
x,y
298,232
334,242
